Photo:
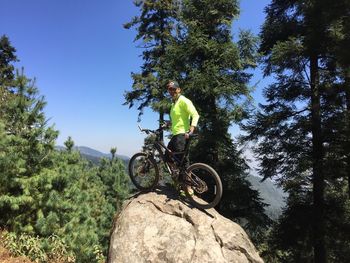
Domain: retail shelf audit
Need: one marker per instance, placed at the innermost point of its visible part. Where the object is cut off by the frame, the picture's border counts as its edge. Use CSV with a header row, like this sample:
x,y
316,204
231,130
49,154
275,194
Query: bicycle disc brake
x,y
197,184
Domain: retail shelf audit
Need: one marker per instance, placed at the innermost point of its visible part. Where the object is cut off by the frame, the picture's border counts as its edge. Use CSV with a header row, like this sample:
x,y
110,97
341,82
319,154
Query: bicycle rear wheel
x,y
143,172
205,184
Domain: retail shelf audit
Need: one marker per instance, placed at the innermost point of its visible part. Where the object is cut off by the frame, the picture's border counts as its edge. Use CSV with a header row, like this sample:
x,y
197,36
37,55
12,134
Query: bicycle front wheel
x,y
205,187
143,172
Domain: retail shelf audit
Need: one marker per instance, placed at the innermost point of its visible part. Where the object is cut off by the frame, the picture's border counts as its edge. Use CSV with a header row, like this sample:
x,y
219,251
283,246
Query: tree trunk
x,y
215,125
347,95
317,160
161,120
161,80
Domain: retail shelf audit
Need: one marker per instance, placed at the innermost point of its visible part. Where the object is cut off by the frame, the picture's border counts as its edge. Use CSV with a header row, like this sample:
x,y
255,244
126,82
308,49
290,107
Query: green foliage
x,y
155,27
80,201
115,180
7,58
51,249
301,133
69,144
55,203
25,146
71,203
192,43
338,222
211,69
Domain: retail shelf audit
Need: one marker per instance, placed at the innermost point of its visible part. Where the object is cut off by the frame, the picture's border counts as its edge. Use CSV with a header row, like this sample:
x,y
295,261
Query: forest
x,y
300,136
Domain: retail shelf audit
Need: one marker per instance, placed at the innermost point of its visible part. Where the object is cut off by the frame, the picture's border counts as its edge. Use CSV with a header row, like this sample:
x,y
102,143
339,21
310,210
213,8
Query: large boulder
x,y
157,227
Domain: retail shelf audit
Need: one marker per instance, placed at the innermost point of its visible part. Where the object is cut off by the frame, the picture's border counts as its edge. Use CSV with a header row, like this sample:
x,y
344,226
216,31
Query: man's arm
x,y
191,110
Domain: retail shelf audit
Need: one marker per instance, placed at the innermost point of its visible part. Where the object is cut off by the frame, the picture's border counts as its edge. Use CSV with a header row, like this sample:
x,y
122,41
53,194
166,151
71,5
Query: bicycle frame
x,y
163,151
159,146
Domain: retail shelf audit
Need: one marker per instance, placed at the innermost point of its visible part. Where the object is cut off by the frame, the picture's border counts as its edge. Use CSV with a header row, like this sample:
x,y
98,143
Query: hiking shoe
x,y
189,190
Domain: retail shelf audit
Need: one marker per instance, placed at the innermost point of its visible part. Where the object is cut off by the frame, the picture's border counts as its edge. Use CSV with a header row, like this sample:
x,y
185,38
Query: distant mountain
x,y
94,155
271,195
92,152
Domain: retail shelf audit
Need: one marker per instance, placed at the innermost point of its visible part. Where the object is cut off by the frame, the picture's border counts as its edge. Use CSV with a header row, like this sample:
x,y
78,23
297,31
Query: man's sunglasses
x,y
171,88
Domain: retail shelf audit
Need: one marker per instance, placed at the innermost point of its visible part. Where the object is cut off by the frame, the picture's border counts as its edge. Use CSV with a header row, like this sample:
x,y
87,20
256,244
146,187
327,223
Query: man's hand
x,y
187,134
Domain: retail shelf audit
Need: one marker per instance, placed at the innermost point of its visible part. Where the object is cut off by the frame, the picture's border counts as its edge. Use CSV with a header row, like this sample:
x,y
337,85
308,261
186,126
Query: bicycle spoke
x,y
143,172
205,184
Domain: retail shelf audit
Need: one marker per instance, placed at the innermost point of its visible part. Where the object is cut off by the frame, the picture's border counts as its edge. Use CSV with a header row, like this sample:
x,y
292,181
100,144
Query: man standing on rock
x,y
184,118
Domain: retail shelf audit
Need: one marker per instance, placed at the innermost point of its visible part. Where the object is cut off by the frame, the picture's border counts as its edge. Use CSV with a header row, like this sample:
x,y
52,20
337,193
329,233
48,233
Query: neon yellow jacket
x,y
180,113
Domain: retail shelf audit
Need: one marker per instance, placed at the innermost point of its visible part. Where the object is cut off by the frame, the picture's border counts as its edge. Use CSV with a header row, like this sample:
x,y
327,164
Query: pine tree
x,y
339,29
28,144
155,26
73,204
211,69
116,181
299,129
47,192
7,58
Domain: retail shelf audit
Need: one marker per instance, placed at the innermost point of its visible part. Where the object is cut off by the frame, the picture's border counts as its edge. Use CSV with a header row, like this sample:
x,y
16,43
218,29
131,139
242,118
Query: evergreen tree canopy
x,y
299,132
7,58
27,144
45,192
211,69
155,28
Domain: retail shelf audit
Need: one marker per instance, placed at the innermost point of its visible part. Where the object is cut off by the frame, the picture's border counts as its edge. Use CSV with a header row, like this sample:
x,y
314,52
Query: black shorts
x,y
178,144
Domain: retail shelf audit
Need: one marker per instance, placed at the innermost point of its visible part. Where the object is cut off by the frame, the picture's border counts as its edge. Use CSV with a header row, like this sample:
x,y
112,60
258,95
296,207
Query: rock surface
x,y
157,227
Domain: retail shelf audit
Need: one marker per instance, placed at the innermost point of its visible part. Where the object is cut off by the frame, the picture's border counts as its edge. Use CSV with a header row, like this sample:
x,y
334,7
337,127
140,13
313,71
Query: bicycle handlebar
x,y
148,131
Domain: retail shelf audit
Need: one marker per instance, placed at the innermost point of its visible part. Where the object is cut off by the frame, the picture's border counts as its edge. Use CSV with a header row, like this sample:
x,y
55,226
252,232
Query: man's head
x,y
173,89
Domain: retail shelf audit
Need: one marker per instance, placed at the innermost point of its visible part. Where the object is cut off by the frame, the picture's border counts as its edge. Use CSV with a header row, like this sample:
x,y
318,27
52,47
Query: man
x,y
184,118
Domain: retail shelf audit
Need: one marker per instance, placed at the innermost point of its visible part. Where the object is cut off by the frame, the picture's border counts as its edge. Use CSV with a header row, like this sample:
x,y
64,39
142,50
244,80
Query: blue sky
x,y
82,57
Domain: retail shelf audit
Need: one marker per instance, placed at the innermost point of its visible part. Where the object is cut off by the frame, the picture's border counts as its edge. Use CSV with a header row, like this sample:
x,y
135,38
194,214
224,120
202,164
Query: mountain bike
x,y
200,182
